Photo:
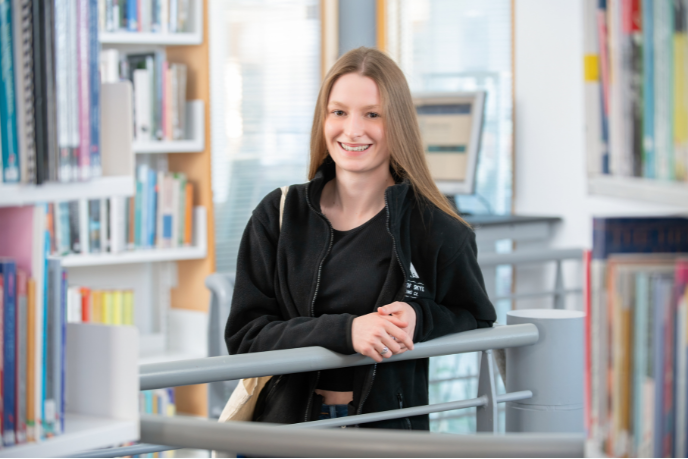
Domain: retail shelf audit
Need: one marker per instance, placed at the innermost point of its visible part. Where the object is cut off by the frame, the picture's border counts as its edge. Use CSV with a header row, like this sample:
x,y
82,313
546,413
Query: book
x,y
663,53
31,349
21,357
619,235
648,158
8,271
94,86
8,109
22,19
680,99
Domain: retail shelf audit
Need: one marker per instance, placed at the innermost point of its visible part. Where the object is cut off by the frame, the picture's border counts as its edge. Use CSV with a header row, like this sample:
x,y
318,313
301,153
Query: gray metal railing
x,y
162,433
198,371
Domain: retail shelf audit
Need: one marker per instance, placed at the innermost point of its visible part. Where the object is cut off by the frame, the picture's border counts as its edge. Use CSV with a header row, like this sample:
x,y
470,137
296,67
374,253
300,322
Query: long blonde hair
x,y
407,157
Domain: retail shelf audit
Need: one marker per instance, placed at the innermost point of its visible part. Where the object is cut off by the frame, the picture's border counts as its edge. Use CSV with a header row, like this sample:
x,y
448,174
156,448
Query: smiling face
x,y
354,129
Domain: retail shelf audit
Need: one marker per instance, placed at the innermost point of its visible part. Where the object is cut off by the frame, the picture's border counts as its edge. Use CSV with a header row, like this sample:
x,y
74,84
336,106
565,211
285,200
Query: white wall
x,y
549,123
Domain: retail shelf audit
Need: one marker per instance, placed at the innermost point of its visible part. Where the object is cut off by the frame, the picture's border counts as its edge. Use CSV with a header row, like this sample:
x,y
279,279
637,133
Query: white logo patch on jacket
x,y
414,286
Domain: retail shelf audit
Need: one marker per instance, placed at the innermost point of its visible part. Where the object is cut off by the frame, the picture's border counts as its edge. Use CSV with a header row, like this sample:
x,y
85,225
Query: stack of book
x,y
158,216
161,402
637,337
32,361
111,307
158,16
159,92
641,62
49,91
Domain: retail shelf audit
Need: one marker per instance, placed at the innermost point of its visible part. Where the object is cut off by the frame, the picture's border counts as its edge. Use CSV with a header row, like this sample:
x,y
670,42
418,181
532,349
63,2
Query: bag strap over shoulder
x,y
285,190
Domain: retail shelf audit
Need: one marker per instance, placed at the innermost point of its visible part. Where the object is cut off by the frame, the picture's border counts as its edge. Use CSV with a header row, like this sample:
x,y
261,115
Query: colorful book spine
x,y
2,357
9,146
648,90
31,362
21,357
680,98
663,73
131,14
128,301
94,86
83,74
8,270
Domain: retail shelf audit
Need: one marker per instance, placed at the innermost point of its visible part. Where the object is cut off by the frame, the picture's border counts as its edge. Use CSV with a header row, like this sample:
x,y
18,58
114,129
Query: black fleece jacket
x,y
433,268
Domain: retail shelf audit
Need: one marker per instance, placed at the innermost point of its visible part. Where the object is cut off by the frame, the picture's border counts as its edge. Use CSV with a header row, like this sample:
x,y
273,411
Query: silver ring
x,y
384,350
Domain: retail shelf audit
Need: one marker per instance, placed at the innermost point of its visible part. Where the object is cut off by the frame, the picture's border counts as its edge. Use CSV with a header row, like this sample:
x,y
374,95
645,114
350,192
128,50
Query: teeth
x,y
348,148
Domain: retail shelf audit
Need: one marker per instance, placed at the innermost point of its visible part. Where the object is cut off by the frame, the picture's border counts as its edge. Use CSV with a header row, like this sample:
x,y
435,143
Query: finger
x,y
381,347
374,354
401,335
396,321
392,345
390,308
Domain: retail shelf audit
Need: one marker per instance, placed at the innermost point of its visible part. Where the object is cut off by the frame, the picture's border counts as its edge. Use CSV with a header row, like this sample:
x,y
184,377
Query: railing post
x,y
487,416
559,294
552,369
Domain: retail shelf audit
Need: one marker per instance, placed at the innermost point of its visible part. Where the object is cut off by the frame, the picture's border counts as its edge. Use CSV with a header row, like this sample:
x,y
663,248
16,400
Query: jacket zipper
x,y
315,295
369,386
400,398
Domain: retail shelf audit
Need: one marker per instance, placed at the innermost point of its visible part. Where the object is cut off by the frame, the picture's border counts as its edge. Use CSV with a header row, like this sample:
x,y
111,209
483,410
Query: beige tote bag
x,y
242,402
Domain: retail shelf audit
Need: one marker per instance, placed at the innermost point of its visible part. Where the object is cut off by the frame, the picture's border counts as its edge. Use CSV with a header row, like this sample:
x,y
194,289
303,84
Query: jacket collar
x,y
397,196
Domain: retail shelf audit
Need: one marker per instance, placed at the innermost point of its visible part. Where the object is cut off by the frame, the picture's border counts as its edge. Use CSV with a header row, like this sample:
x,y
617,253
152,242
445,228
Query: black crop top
x,y
351,280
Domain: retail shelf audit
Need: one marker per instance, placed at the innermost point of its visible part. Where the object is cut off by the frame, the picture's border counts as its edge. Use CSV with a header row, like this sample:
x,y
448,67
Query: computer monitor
x,y
451,125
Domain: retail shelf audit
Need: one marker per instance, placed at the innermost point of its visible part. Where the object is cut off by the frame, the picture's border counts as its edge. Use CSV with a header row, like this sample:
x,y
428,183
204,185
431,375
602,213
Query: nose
x,y
353,127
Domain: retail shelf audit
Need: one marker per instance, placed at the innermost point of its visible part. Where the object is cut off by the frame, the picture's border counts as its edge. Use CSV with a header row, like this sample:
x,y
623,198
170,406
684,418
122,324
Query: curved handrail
x,y
251,438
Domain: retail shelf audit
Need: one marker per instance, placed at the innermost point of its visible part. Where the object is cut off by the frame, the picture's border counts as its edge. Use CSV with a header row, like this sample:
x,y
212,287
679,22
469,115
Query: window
x,y
463,45
265,77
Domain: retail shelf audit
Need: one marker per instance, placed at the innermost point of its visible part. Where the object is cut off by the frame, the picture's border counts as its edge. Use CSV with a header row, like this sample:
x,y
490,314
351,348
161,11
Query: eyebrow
x,y
339,104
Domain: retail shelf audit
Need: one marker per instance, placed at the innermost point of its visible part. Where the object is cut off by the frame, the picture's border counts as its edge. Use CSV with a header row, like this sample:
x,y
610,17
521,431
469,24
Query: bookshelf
x,y
101,394
195,134
103,187
198,250
193,37
116,155
192,157
640,189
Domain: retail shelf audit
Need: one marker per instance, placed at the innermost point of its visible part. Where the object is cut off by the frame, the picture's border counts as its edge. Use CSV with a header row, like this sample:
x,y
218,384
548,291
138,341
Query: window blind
x,y
463,45
265,77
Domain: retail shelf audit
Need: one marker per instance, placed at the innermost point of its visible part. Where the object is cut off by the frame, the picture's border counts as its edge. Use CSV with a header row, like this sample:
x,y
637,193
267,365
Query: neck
x,y
359,194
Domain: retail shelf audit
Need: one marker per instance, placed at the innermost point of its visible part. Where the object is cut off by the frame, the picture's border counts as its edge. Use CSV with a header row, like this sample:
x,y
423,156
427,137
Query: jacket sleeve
x,y
461,300
257,322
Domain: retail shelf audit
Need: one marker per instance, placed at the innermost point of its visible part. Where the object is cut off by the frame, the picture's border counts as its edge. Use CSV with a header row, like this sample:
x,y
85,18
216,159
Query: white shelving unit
x,y
116,155
647,190
198,250
103,187
195,134
101,394
82,433
187,338
193,37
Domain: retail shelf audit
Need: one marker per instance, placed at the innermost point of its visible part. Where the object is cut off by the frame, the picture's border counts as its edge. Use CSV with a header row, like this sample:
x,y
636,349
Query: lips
x,y
356,148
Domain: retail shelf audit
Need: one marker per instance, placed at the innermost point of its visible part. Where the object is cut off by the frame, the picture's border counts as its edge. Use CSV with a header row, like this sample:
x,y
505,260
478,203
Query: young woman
x,y
370,257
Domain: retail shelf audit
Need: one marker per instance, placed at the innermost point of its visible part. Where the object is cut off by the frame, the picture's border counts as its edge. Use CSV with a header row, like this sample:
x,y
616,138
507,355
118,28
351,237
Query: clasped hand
x,y
392,326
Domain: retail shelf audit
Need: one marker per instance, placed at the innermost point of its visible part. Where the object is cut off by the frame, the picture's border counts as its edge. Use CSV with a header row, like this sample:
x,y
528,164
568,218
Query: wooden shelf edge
x,y
82,433
669,193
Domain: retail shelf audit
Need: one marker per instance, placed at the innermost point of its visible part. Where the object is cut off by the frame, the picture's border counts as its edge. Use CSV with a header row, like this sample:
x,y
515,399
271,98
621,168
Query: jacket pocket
x,y
264,397
407,421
